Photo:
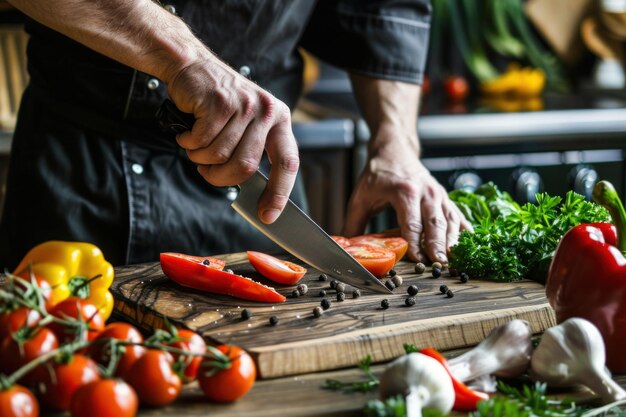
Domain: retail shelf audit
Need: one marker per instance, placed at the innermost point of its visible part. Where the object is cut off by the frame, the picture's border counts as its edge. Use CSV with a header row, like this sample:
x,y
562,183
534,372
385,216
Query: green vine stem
x,y
605,194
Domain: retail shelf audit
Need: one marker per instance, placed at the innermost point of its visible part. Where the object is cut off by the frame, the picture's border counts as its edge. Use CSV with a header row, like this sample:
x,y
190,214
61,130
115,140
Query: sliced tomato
x,y
283,272
188,272
376,260
382,240
204,260
341,241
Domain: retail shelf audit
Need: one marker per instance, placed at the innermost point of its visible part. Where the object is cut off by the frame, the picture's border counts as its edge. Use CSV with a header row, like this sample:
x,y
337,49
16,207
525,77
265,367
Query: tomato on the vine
x,y
12,321
121,331
63,379
277,270
80,309
18,401
456,88
227,384
192,342
376,260
153,378
16,353
104,398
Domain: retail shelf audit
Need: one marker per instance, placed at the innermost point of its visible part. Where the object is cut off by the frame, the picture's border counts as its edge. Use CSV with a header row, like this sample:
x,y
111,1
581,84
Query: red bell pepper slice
x,y
193,273
465,398
587,276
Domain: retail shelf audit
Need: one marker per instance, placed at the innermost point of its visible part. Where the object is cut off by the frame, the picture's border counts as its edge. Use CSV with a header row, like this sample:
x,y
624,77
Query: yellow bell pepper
x,y
71,268
516,81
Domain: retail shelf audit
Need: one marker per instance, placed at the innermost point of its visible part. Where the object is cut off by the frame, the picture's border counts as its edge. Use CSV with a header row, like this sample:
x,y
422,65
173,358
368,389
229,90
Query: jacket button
x,y
232,193
245,71
137,169
170,8
153,84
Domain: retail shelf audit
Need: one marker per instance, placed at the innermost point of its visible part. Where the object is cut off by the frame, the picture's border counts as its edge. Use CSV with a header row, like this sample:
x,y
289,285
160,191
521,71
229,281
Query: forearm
x,y
137,33
390,109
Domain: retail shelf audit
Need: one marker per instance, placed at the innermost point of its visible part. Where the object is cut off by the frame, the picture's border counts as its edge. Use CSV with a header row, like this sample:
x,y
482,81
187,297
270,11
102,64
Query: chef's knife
x,y
294,231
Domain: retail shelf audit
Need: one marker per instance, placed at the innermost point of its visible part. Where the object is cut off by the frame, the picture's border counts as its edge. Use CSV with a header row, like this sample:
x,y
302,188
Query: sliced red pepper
x,y
190,272
205,260
465,398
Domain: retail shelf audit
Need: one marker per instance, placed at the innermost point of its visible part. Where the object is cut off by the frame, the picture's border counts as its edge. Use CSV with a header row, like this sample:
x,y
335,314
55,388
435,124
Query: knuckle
x,y
277,200
248,106
415,227
290,163
438,222
246,167
269,107
220,157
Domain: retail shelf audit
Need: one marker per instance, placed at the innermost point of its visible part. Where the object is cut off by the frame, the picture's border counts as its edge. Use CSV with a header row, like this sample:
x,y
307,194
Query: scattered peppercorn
x,y
453,272
412,290
436,272
356,293
302,289
206,262
392,272
317,312
449,293
273,321
397,280
295,294
389,284
325,303
409,301
384,304
333,284
322,293
437,265
464,277
323,277
340,287
341,296
246,314
443,288
420,268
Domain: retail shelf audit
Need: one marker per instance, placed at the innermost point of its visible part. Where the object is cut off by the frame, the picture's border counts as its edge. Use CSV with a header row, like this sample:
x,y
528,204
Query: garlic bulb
x,y
423,382
573,353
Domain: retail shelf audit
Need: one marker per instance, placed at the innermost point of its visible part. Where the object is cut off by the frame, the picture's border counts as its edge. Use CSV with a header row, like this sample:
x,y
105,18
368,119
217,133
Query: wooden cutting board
x,y
347,332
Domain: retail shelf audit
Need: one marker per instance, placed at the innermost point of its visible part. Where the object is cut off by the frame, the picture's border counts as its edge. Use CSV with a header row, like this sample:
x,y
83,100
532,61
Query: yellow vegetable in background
x,y
516,81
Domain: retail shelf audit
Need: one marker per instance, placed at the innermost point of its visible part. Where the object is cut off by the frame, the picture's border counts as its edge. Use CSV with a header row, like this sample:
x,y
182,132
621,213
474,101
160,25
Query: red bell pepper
x,y
190,271
465,398
587,276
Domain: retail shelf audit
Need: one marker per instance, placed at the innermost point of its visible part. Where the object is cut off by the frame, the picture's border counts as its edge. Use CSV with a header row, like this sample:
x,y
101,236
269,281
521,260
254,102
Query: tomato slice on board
x,y
341,241
283,272
188,272
376,260
395,243
205,260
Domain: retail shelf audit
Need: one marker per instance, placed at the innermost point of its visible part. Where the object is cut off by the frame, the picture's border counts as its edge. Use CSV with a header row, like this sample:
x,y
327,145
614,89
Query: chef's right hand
x,y
235,121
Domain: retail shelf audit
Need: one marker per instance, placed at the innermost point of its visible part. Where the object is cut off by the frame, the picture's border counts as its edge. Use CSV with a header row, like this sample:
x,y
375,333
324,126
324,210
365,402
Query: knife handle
x,y
172,120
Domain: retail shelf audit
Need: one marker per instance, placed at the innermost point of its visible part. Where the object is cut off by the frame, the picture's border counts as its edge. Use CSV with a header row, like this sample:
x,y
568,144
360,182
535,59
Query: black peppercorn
x,y
302,289
384,304
436,265
322,293
323,277
341,296
295,294
464,277
449,294
356,293
436,272
246,314
397,280
412,290
333,284
389,284
273,321
340,287
409,301
317,312
325,303
443,288
392,273
420,268
206,262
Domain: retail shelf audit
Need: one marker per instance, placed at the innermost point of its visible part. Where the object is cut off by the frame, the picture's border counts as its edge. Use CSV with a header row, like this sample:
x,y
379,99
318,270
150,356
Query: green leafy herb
x,y
393,407
510,242
360,386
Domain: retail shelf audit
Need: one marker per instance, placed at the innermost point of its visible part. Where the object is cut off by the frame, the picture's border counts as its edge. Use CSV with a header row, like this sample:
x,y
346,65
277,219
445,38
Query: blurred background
x,y
528,94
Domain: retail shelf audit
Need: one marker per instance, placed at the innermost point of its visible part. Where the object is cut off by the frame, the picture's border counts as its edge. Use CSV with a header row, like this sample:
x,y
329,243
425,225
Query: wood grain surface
x,y
347,332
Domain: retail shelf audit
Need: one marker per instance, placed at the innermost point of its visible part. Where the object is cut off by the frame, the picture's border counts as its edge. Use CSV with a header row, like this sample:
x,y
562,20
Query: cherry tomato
x,y
341,241
14,354
283,272
192,342
154,380
18,401
376,260
456,88
426,85
395,243
104,398
227,385
121,331
63,379
77,308
12,321
43,285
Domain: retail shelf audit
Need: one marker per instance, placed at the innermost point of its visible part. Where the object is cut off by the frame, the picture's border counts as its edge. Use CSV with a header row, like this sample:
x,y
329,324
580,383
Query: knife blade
x,y
294,231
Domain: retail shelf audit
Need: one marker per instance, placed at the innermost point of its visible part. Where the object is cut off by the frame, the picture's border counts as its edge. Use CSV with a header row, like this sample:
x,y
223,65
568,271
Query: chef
x,y
89,162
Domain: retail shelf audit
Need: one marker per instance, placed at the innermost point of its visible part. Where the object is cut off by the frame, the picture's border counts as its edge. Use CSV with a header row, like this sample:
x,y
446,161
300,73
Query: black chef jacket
x,y
89,163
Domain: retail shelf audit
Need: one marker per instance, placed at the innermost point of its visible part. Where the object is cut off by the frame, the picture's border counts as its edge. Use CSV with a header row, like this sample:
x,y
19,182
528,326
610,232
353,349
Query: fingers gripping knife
x,y
294,231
